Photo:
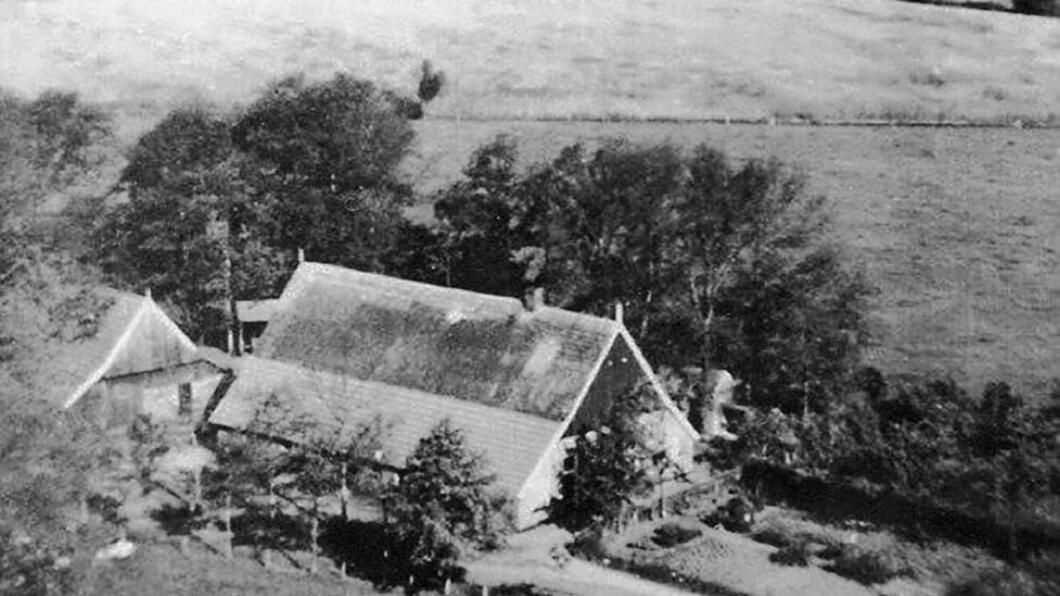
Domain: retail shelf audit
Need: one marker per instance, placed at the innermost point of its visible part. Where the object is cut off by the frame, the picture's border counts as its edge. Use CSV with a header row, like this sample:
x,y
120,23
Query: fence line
x,y
1015,123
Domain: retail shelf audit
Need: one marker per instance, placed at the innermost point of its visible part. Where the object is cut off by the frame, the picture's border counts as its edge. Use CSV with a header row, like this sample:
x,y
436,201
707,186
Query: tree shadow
x,y
367,549
261,527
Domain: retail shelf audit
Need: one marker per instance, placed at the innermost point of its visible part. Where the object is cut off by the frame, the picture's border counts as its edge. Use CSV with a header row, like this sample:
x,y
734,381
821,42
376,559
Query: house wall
x,y
118,401
539,488
162,403
108,406
667,433
619,374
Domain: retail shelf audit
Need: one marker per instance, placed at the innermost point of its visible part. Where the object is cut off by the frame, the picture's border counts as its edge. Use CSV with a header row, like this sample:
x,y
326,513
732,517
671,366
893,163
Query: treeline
x,y
995,457
716,263
1030,7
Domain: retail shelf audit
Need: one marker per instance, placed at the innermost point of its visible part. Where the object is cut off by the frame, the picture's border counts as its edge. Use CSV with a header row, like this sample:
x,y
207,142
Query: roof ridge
x,y
449,292
392,280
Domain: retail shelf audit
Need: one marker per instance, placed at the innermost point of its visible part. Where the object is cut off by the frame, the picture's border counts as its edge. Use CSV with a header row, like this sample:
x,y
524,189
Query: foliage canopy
x,y
715,263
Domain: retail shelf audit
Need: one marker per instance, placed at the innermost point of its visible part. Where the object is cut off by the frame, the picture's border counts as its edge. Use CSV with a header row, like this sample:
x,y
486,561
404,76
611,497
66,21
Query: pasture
x,y
633,59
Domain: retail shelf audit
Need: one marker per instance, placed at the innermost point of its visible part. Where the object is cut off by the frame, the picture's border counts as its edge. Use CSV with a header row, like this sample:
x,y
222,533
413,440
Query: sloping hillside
x,y
517,58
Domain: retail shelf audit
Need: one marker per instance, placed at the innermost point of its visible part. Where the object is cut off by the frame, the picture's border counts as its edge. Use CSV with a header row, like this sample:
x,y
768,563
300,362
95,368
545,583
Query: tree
x,y
431,82
602,470
1015,457
328,155
442,506
47,146
177,233
1037,7
219,206
341,135
714,263
478,224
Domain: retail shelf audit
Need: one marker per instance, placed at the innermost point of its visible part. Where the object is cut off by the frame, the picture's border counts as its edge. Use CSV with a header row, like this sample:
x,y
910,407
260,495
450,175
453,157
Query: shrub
x,y
774,536
1038,577
30,568
866,567
1037,7
737,515
601,471
796,554
674,533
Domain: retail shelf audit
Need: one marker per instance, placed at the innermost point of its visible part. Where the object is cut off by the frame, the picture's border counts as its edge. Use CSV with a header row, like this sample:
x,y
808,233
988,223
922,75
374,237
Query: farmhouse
x,y
136,361
345,347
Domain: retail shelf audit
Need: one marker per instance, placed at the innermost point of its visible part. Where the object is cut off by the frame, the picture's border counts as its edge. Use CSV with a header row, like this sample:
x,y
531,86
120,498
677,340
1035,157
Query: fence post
x,y
228,526
272,499
315,533
343,493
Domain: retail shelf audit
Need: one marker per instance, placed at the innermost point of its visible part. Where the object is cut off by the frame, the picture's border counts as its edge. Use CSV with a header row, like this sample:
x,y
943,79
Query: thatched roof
x,y
132,335
446,342
287,401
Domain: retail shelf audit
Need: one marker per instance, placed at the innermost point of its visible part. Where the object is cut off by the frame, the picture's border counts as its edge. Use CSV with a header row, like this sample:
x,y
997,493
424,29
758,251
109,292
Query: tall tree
x,y
767,289
603,469
479,223
329,155
718,264
176,234
443,506
218,207
47,145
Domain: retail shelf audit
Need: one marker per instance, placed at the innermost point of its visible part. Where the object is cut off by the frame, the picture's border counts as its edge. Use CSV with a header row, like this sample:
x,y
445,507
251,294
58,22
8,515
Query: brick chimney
x,y
534,299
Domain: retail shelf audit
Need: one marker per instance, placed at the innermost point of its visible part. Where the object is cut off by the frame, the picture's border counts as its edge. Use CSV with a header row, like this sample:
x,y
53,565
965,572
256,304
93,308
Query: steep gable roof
x,y
485,349
132,335
284,400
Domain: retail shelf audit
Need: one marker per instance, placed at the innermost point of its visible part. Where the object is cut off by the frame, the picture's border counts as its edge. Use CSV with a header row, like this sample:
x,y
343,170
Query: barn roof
x,y
485,349
130,335
284,400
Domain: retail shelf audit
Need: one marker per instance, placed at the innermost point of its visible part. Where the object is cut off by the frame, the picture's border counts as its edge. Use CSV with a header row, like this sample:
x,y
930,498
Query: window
x,y
184,400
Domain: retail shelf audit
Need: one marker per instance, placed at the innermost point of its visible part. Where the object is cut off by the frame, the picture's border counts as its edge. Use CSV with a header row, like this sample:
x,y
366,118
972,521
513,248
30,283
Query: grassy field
x,y
735,564
164,571
516,58
959,228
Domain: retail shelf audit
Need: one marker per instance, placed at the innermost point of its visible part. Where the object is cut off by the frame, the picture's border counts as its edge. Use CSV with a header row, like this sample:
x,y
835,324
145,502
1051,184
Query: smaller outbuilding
x,y
134,362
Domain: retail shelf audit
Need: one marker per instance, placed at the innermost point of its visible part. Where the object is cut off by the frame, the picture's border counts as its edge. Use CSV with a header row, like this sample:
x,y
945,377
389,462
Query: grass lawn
x,y
958,228
162,570
723,562
517,58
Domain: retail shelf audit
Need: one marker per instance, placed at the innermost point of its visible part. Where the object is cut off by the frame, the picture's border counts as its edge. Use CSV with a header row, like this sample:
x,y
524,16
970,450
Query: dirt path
x,y
577,577
528,560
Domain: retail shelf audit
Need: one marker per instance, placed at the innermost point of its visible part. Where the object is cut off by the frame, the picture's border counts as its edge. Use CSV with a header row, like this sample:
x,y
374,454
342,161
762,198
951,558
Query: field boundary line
x,y
1016,124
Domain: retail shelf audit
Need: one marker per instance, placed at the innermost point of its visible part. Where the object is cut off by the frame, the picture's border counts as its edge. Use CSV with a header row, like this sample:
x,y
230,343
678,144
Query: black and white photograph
x,y
530,298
